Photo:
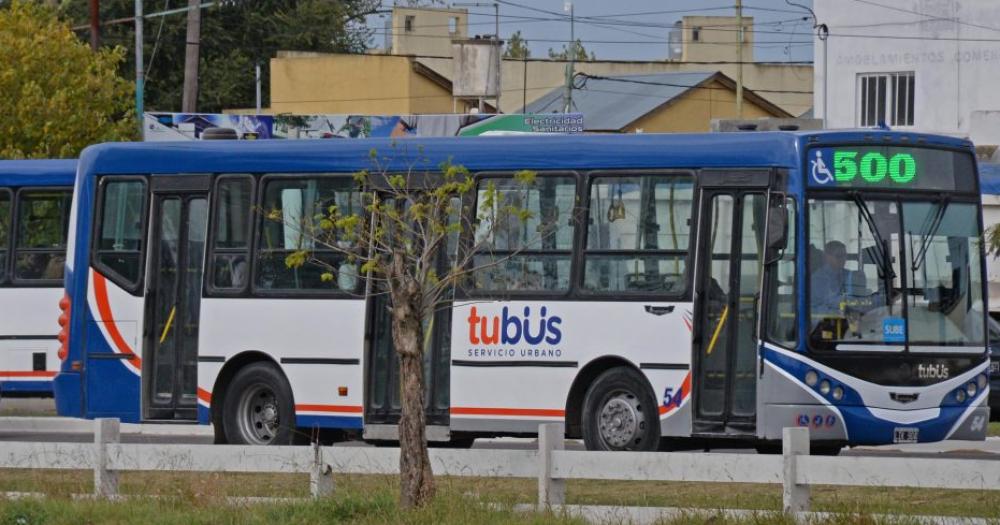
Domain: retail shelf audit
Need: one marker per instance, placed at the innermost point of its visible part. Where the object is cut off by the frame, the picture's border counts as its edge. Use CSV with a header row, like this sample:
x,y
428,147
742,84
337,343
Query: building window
x,y
453,25
695,33
408,23
886,97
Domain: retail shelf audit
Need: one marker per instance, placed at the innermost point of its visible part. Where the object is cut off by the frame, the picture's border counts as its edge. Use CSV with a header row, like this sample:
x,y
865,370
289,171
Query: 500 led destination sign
x,y
888,167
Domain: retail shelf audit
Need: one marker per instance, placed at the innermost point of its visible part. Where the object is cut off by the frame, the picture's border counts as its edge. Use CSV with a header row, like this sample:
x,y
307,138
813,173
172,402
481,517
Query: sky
x,y
637,29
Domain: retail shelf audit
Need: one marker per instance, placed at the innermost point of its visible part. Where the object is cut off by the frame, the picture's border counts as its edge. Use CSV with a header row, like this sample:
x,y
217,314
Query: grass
x,y
196,498
994,429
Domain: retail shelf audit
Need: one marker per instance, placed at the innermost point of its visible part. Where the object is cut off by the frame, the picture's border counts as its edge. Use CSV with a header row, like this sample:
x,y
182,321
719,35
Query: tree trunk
x,y
416,486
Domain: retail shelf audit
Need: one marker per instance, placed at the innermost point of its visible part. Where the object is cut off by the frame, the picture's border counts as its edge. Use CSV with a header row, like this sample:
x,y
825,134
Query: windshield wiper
x,y
929,231
885,270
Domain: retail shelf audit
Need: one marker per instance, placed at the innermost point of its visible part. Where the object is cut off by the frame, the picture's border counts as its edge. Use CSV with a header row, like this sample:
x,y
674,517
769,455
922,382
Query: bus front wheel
x,y
620,413
258,409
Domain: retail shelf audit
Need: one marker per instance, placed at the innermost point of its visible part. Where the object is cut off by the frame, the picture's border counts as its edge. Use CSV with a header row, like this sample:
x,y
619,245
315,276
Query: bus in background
x,y
673,298
35,198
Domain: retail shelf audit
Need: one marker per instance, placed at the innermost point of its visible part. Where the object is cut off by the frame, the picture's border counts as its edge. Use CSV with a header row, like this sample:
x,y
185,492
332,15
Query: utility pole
x,y
95,25
739,59
571,66
138,65
189,100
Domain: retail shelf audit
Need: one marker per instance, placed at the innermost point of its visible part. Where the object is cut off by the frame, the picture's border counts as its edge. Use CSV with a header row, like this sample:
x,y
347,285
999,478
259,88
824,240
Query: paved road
x,y
185,434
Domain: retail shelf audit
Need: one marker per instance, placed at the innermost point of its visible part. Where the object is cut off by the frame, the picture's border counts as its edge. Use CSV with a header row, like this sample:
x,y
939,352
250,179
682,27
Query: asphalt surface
x,y
989,449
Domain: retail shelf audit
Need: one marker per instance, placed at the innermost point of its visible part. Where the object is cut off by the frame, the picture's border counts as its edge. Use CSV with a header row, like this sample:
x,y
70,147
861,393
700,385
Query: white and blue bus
x,y
692,289
35,200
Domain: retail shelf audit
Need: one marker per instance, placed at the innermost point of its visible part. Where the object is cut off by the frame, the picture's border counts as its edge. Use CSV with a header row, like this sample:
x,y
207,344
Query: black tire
x,y
259,409
621,395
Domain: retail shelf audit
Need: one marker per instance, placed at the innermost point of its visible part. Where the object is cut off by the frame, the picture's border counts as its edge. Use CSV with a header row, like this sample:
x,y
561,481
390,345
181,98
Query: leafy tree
x,y
235,36
58,96
517,47
577,52
411,218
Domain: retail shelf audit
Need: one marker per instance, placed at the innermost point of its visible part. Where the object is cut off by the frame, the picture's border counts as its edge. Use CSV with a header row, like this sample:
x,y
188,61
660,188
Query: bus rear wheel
x,y
258,409
620,413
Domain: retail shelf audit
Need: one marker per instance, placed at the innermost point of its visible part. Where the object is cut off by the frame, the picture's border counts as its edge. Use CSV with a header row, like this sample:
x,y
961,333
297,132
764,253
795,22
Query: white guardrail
x,y
795,469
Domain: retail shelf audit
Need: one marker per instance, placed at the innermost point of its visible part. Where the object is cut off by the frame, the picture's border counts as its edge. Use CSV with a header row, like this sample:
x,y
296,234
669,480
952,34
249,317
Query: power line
x,y
688,86
935,17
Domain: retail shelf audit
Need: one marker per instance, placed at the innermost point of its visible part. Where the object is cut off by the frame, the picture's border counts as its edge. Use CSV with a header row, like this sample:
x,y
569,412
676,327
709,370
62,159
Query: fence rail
x,y
795,469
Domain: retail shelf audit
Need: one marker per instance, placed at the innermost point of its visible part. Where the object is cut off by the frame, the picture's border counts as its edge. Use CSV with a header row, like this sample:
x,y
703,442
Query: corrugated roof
x,y
613,104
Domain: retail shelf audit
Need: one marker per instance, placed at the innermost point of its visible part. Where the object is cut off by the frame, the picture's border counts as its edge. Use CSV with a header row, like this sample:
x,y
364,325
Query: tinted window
x,y
781,290
120,233
4,230
42,222
638,234
293,210
230,260
525,234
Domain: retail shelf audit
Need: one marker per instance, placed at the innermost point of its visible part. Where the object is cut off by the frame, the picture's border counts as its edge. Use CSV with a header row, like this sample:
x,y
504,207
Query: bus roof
x,y
606,151
37,172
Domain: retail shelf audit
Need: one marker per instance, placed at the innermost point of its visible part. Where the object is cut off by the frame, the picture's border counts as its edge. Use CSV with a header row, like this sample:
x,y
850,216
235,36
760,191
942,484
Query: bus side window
x,y
4,232
230,268
532,255
781,322
40,243
638,234
292,212
119,242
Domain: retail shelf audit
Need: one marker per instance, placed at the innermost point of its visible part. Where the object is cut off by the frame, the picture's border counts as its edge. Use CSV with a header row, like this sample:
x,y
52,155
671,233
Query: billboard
x,y
189,126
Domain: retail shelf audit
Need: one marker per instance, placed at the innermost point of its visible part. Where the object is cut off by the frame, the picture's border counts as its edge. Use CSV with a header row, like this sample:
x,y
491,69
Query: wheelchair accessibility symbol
x,y
820,173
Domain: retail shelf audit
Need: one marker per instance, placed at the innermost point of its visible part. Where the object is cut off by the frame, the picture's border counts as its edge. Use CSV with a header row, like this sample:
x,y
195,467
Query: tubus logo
x,y
510,329
937,371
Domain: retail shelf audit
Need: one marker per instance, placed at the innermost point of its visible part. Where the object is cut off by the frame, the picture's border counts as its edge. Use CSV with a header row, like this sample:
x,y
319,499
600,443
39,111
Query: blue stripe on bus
x,y
27,387
307,421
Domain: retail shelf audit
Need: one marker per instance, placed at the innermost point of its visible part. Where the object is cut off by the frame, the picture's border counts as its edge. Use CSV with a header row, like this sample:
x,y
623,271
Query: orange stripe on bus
x,y
484,411
205,395
104,309
329,408
27,373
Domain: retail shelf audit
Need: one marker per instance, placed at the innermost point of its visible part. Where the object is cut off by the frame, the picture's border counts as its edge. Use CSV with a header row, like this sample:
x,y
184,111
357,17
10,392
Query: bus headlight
x,y
811,378
960,395
824,387
971,389
982,381
838,393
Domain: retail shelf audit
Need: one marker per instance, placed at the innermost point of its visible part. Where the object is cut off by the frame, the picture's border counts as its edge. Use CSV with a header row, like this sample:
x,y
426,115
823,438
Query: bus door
x,y
382,392
730,248
173,296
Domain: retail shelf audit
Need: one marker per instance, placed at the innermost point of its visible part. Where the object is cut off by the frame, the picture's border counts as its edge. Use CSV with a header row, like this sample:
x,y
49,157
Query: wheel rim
x,y
259,415
621,419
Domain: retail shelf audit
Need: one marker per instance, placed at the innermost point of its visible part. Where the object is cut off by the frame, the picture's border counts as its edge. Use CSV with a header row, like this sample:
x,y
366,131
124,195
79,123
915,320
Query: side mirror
x,y
777,230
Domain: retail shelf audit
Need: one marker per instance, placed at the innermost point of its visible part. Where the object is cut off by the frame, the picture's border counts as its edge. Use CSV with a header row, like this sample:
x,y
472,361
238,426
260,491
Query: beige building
x,y
423,31
319,83
657,103
410,80
712,38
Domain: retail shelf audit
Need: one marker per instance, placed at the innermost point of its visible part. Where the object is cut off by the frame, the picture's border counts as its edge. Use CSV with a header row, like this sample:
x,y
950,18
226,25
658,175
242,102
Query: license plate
x,y
994,367
904,435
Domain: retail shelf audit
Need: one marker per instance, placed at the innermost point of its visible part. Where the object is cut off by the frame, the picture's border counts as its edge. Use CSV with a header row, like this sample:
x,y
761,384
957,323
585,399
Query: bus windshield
x,y
891,275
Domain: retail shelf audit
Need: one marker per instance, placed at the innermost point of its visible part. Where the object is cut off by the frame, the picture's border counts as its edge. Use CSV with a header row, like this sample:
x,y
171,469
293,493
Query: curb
x,y
84,426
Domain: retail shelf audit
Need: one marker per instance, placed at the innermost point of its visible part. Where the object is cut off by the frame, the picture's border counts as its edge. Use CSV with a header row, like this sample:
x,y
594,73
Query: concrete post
x,y
106,431
321,475
551,492
794,497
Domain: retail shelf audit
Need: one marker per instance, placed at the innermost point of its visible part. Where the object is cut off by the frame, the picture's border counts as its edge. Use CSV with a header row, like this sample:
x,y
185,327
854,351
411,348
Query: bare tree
x,y
408,220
